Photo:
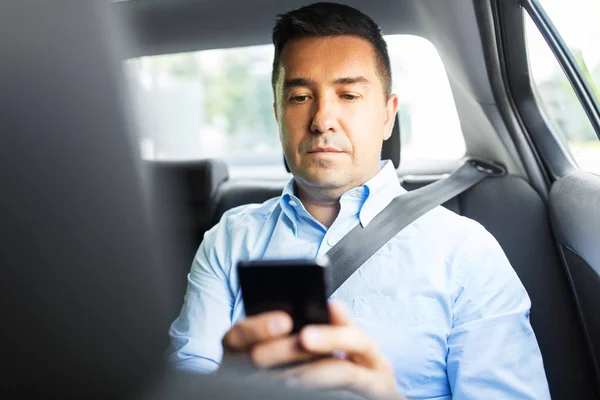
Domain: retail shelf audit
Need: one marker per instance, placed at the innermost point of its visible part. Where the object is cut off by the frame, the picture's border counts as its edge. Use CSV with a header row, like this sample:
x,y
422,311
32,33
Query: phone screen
x,y
294,286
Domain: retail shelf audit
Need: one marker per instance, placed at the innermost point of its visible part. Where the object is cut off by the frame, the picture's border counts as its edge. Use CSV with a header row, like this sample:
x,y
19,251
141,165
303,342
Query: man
x,y
438,312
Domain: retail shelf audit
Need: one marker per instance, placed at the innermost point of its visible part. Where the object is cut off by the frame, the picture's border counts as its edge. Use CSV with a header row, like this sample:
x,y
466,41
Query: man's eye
x,y
299,99
349,97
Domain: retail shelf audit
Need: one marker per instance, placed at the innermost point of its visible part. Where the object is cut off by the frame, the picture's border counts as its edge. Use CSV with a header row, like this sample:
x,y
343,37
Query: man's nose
x,y
324,116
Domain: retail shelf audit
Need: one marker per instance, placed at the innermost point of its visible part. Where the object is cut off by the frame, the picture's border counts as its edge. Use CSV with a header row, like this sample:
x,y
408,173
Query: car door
x,y
554,76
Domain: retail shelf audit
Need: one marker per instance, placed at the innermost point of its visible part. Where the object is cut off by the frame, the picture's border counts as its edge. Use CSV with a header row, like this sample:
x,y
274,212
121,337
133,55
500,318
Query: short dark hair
x,y
331,19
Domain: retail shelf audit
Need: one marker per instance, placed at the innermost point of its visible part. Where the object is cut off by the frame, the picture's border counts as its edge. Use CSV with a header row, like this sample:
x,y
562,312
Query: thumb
x,y
339,314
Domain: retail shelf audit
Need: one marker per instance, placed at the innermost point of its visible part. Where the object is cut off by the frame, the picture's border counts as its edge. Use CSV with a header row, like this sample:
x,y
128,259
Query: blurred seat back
x,y
83,291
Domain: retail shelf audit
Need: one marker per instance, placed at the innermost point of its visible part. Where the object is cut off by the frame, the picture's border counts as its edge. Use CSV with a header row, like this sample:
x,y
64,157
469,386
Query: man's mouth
x,y
325,150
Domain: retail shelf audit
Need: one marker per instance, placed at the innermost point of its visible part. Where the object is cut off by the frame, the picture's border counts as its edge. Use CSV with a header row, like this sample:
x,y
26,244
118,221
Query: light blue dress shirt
x,y
440,298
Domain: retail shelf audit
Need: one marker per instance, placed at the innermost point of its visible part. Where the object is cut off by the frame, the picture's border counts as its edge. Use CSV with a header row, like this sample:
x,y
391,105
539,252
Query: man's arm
x,y
206,313
493,352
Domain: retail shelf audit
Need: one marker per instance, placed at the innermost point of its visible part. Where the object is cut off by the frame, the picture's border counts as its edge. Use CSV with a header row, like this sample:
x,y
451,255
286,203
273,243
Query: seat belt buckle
x,y
488,167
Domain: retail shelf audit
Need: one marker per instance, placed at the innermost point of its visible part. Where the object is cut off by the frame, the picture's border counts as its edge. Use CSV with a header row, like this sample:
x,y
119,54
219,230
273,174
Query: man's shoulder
x,y
238,224
248,214
442,225
466,247
448,222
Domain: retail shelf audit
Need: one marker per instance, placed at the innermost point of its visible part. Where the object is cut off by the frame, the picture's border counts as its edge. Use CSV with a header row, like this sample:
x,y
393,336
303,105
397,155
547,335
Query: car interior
x,y
104,240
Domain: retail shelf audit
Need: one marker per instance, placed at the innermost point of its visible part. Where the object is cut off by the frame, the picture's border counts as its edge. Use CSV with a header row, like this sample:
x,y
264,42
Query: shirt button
x,y
331,242
292,203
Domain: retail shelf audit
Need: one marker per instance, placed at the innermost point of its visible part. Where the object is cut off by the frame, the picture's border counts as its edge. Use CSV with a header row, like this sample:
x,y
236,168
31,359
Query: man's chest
x,y
402,297
402,300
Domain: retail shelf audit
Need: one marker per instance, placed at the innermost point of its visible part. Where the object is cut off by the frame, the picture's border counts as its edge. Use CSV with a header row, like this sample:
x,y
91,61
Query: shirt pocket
x,y
405,328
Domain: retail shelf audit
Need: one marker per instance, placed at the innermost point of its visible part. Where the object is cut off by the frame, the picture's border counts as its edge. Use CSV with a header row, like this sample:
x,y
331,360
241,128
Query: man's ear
x,y
275,112
390,116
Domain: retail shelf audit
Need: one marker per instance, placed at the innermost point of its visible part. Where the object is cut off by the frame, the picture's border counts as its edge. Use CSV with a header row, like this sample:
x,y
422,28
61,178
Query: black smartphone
x,y
294,286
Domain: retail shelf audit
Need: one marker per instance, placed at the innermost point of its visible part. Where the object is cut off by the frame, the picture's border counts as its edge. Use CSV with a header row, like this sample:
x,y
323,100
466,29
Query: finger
x,y
256,329
330,373
351,340
279,352
339,315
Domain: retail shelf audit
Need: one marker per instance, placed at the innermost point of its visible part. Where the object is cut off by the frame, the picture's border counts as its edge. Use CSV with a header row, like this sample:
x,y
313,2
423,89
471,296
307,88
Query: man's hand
x,y
362,367
344,357
264,340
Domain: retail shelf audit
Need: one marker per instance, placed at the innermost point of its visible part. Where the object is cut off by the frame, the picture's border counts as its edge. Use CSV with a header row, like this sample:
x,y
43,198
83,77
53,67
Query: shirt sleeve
x,y
196,335
493,352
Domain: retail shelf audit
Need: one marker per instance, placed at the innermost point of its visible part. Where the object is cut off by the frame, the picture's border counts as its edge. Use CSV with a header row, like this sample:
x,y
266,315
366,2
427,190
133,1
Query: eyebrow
x,y
298,82
349,80
304,82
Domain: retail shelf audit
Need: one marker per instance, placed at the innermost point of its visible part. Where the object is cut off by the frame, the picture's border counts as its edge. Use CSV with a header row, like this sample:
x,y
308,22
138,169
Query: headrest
x,y
389,151
195,181
391,147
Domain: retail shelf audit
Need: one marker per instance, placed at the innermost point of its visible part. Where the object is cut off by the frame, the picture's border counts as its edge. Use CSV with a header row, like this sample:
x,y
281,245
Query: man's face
x,y
332,112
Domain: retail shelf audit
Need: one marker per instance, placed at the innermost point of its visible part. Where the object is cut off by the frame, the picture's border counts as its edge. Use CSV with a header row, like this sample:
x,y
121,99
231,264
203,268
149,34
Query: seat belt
x,y
361,243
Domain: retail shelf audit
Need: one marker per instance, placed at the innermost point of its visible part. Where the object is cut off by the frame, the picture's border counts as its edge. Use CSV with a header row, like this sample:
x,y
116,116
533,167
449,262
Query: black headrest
x,y
392,146
389,151
196,180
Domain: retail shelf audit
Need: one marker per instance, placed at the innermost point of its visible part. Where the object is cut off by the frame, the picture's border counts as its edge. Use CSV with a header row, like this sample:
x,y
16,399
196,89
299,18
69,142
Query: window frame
x,y
567,61
513,48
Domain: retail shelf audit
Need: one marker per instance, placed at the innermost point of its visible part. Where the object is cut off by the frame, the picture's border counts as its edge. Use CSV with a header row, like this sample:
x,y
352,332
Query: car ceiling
x,y
174,26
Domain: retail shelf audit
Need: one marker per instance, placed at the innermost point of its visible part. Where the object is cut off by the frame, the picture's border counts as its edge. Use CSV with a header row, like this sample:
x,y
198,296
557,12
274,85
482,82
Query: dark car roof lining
x,y
167,26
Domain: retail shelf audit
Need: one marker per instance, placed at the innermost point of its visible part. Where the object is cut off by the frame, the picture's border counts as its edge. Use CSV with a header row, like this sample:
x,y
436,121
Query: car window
x,y
218,103
578,22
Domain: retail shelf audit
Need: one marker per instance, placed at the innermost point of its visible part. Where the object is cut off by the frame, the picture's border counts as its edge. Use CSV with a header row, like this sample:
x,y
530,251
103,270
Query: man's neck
x,y
321,204
324,203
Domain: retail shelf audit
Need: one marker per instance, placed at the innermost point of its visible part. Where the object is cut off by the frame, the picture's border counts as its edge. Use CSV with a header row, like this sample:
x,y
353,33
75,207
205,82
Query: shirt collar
x,y
289,202
367,200
380,191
